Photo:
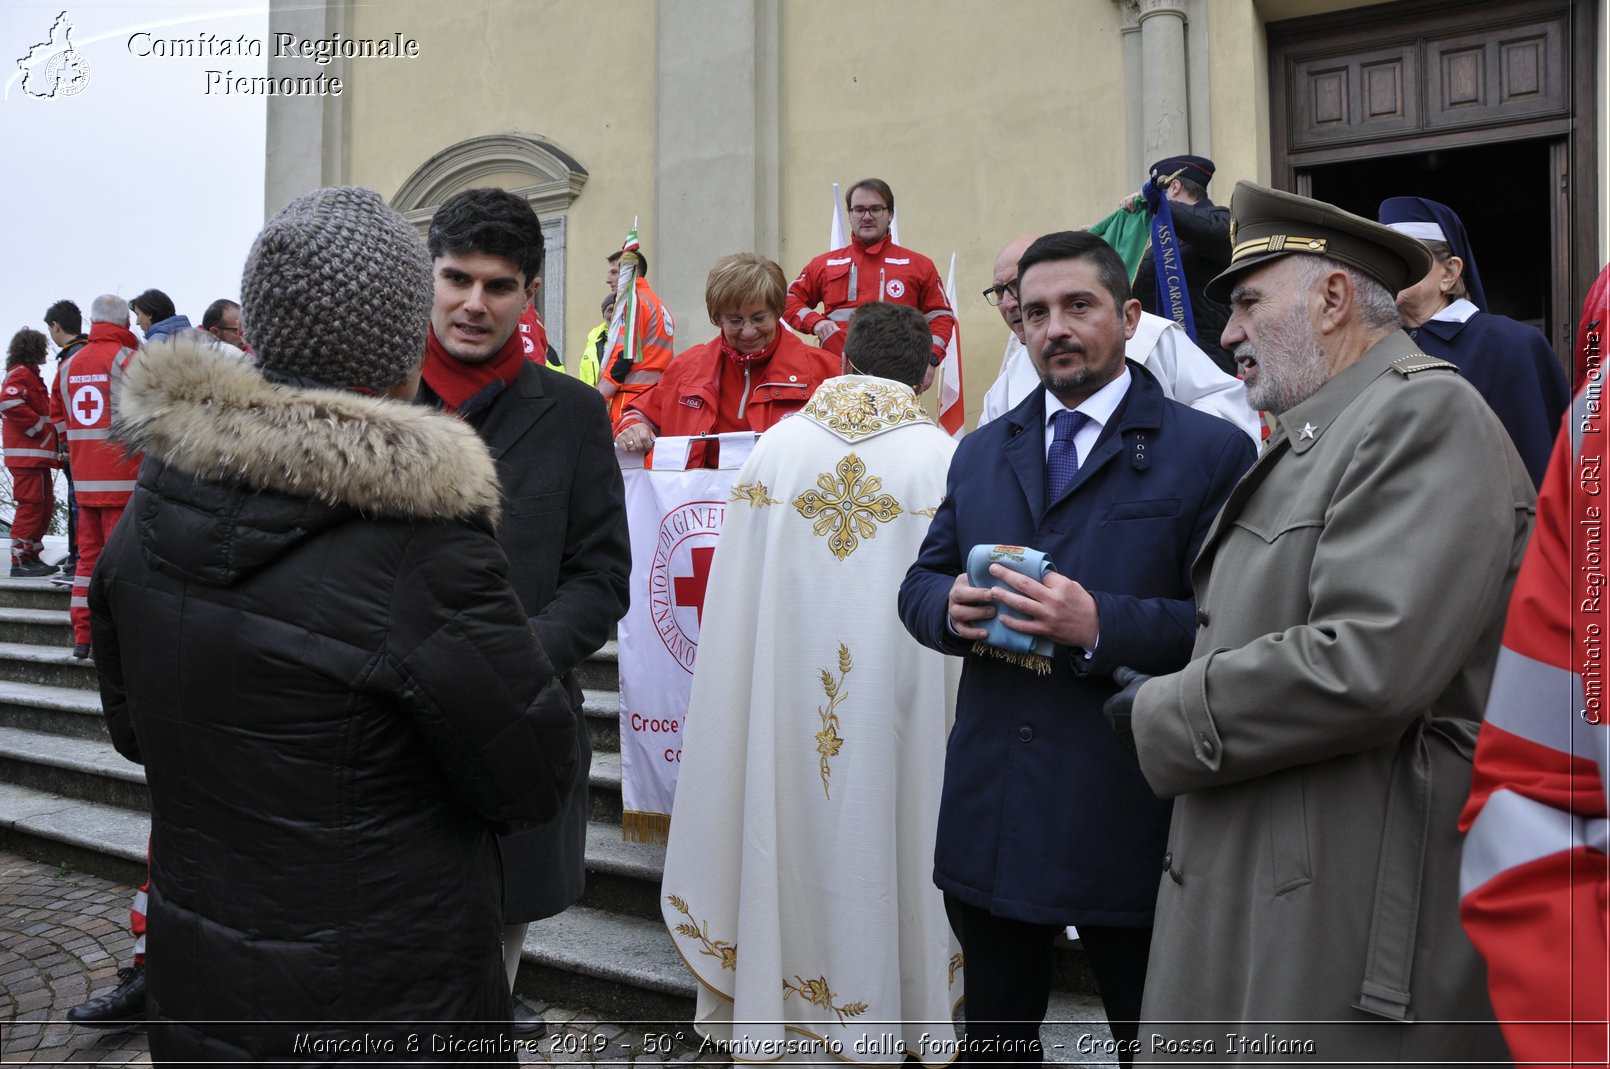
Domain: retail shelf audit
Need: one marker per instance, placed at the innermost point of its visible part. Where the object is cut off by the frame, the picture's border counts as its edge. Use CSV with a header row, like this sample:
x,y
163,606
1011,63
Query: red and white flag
x,y
952,406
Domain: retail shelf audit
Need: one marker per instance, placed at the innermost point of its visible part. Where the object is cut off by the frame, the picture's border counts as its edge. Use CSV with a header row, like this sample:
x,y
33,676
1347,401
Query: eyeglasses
x,y
875,209
993,294
760,321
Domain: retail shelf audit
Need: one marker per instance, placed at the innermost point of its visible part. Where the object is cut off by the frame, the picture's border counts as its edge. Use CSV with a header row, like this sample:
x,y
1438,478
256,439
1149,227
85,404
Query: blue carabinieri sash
x,y
1173,298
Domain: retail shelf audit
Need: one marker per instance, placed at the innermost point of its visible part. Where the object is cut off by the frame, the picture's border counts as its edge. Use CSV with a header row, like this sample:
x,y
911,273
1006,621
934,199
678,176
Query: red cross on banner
x,y
690,589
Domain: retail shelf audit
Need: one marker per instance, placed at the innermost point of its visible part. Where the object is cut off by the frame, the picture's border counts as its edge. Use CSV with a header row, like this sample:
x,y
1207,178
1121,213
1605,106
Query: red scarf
x,y
743,359
461,385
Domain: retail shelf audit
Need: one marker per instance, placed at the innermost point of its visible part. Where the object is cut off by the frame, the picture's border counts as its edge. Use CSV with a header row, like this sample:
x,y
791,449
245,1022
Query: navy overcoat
x,y
1045,818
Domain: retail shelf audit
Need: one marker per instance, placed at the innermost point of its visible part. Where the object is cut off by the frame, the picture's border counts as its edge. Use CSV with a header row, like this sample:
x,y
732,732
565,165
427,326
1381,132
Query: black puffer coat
x,y
305,632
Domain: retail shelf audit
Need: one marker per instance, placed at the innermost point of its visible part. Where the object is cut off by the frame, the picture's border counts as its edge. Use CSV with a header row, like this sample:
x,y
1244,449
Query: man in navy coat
x,y
1045,819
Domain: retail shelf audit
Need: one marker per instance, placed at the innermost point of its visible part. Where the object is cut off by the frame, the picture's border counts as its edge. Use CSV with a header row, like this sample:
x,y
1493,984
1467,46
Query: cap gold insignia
x,y
1277,243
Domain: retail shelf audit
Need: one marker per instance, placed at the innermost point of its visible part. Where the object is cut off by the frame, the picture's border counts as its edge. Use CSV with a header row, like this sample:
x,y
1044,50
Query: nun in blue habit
x,y
1511,364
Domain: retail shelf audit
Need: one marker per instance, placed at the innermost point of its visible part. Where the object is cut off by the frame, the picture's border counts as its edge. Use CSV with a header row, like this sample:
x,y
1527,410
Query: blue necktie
x,y
1062,459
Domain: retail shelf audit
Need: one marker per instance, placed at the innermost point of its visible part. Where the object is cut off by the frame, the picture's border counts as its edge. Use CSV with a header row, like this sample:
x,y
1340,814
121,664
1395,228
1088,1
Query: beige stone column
x,y
1164,110
307,142
716,179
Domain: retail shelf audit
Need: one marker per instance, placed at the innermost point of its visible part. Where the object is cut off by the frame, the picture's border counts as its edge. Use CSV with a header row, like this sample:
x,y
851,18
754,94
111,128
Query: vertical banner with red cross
x,y
675,517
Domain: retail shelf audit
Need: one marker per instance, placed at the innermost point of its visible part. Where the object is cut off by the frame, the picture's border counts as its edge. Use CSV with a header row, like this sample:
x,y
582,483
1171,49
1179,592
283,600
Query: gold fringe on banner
x,y
640,827
1034,662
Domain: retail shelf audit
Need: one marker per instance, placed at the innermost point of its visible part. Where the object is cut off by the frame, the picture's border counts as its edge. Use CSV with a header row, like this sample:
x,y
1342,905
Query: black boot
x,y
527,1024
124,1004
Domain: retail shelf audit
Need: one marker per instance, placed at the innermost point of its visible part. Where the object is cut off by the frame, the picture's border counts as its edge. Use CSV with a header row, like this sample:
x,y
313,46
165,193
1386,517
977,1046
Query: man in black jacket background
x,y
1202,231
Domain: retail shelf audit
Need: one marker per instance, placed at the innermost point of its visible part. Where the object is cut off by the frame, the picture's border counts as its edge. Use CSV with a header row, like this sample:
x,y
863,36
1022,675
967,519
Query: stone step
x,y
40,627
623,877
603,711
89,770
32,594
604,783
52,666
70,711
106,840
622,966
601,671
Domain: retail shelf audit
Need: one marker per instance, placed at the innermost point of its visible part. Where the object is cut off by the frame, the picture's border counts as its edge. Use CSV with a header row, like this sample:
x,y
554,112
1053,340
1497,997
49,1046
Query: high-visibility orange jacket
x,y
656,335
1534,875
29,438
103,472
844,279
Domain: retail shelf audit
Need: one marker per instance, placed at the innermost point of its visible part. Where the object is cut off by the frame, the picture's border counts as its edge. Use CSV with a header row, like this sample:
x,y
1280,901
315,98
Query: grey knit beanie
x,y
338,289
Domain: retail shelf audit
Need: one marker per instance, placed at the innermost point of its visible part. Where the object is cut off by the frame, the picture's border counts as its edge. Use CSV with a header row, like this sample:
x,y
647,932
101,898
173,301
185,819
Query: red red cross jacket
x,y
1534,872
690,398
844,279
29,438
103,474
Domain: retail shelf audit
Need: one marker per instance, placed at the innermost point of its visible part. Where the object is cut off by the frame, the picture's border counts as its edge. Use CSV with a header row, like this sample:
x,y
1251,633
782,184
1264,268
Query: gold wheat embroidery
x,y
724,952
817,993
755,493
828,740
847,505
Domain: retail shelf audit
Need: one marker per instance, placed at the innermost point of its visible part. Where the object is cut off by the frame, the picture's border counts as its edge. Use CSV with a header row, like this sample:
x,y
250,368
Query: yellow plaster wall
x,y
988,122
1238,75
578,75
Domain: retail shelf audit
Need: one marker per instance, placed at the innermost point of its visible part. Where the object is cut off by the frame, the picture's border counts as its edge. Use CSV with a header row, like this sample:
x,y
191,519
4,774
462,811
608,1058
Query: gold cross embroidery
x,y
847,505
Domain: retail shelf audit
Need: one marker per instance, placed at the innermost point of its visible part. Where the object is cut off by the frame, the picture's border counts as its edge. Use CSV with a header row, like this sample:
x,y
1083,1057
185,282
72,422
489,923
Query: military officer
x,y
1350,599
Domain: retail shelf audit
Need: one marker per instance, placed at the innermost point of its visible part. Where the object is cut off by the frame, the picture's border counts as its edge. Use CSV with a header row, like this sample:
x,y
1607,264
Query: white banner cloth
x,y
675,517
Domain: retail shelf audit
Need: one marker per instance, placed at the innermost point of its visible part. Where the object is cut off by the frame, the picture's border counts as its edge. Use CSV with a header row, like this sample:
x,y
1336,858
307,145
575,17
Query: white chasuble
x,y
799,873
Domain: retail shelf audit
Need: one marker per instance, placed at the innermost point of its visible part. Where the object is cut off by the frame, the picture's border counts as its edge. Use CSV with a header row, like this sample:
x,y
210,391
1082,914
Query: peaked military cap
x,y
1198,169
1268,223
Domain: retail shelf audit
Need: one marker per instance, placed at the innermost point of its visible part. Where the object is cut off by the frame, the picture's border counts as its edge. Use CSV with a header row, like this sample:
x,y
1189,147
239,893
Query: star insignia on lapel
x,y
1307,431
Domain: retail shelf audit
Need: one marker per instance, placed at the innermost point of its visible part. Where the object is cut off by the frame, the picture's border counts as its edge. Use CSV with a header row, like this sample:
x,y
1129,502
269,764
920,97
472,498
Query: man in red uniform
x,y
625,375
870,268
752,375
65,323
103,475
30,452
103,480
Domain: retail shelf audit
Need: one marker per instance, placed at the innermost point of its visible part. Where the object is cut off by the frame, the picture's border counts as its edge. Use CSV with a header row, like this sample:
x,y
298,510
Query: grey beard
x,y
1294,375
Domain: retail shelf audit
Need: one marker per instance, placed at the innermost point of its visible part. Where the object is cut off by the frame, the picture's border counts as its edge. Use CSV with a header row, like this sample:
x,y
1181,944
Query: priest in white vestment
x,y
799,874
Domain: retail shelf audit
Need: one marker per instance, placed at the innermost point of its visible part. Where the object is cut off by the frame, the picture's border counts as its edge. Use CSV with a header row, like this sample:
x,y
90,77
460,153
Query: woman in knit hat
x,y
305,634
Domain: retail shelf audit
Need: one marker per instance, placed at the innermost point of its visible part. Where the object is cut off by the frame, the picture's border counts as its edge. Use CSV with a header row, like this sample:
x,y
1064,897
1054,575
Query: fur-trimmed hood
x,y
205,412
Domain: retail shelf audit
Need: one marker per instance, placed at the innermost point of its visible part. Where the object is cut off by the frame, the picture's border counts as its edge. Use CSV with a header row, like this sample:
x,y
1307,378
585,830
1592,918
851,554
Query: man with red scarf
x,y
564,517
870,268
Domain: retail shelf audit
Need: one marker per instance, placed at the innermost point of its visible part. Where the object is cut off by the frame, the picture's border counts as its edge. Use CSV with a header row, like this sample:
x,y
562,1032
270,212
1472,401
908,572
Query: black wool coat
x,y
570,561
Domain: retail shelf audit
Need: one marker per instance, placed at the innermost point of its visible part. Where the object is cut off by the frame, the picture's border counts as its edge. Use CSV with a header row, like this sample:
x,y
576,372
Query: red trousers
x,y
95,523
36,499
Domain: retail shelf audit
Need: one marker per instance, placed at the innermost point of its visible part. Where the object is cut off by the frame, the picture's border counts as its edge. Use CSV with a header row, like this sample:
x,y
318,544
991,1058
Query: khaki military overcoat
x,y
1350,600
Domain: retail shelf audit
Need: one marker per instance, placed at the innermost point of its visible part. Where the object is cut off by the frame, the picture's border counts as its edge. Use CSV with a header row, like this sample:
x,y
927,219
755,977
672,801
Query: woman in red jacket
x,y
747,379
30,450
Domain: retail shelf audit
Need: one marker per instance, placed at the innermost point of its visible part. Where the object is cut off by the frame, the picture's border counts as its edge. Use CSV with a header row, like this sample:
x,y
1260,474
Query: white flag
x,y
835,233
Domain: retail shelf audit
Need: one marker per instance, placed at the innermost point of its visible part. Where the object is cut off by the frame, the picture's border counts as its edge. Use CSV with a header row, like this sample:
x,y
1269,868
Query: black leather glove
x,y
1117,708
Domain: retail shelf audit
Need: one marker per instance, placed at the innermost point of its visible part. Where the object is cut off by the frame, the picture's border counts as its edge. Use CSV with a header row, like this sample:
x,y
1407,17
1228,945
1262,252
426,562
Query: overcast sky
x,y
141,178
